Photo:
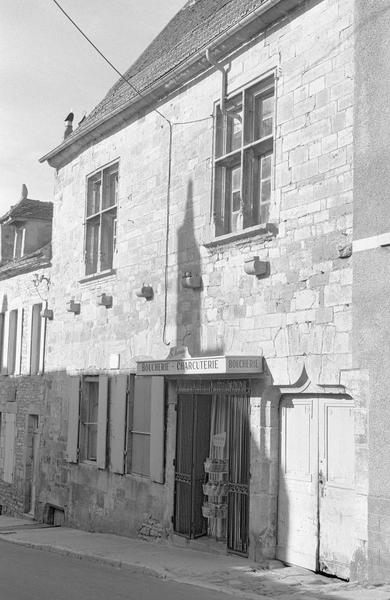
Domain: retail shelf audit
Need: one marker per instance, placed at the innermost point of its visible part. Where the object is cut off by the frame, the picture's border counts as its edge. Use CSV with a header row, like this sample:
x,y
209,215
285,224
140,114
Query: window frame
x,y
19,241
85,425
249,152
96,267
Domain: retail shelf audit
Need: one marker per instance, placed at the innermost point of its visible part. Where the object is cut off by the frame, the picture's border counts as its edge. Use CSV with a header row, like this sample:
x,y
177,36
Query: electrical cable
x,y
107,60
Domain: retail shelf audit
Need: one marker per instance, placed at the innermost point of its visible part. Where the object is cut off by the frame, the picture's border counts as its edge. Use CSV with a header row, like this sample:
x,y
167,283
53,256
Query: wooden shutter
x,y
102,422
18,351
73,394
157,430
139,457
118,396
42,346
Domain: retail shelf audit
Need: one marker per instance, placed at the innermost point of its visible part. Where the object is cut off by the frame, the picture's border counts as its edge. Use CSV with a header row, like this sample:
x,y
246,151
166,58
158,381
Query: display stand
x,y
216,488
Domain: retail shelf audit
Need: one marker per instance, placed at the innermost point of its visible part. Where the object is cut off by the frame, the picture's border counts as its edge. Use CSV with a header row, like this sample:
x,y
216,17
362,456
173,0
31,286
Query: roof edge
x,y
196,64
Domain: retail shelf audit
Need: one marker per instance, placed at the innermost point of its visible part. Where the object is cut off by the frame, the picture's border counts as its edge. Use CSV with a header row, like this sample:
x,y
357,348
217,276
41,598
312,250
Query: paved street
x,y
31,574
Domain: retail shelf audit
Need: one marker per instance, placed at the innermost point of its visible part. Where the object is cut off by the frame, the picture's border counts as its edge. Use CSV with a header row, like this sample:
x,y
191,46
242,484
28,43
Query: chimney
x,y
68,125
24,193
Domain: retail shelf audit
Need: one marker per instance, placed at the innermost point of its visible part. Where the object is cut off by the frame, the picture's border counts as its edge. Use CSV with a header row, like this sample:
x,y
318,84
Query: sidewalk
x,y
224,573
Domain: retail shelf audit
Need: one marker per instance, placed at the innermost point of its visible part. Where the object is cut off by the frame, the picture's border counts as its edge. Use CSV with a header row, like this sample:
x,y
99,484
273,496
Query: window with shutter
x,y
146,428
118,397
73,396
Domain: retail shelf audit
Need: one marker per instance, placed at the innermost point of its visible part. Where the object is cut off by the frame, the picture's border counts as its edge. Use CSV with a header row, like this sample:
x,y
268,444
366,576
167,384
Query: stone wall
x,y
299,314
371,263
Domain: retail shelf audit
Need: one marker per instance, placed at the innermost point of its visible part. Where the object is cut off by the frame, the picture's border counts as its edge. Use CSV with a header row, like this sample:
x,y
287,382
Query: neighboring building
x,y
24,282
204,295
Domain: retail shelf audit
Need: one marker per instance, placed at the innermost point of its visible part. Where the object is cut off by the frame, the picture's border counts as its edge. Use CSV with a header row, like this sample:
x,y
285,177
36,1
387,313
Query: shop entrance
x,y
212,462
316,526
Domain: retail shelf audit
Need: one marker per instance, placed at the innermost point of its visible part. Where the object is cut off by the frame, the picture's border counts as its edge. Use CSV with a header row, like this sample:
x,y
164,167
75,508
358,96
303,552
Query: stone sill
x,y
95,276
88,463
264,229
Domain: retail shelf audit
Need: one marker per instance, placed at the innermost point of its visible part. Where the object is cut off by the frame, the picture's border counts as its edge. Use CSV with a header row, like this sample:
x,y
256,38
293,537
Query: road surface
x,y
32,574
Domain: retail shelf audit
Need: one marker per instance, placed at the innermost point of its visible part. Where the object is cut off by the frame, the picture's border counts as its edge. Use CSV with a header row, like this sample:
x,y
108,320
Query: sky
x,y
47,69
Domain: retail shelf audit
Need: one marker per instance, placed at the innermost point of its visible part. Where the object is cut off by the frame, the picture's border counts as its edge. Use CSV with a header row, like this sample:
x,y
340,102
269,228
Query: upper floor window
x,y
100,235
243,159
19,241
12,342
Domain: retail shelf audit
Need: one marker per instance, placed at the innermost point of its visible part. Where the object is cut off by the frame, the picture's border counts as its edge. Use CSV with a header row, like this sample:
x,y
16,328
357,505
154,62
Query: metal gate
x,y
238,483
192,448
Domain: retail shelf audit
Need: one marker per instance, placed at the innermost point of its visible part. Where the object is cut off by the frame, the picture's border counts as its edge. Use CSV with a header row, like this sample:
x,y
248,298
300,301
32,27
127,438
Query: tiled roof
x,y
194,27
28,209
30,262
200,24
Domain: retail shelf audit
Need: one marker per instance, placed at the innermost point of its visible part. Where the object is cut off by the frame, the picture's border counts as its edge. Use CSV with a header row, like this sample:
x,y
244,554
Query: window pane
x,y
92,246
91,442
89,415
234,199
19,238
94,193
107,242
234,125
93,402
264,116
110,187
140,453
265,186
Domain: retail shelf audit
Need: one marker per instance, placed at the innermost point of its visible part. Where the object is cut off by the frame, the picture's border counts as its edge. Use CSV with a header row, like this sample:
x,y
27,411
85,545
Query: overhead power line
x,y
107,60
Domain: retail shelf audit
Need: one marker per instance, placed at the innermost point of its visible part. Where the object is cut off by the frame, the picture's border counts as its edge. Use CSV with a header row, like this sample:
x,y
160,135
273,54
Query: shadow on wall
x,y
207,339
189,287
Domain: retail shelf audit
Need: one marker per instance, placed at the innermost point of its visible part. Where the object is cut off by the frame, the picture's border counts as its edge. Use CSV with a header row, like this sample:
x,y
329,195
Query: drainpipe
x,y
224,111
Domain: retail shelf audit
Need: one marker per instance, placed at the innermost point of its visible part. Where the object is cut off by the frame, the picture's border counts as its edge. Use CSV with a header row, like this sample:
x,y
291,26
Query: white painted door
x,y
298,484
316,484
336,487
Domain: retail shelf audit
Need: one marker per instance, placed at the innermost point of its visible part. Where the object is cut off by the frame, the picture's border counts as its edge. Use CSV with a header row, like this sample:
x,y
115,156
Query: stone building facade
x,y
204,374
24,283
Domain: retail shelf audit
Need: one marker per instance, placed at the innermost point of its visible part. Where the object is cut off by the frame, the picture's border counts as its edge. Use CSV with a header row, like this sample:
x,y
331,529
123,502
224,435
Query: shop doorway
x,y
32,462
212,463
316,484
192,449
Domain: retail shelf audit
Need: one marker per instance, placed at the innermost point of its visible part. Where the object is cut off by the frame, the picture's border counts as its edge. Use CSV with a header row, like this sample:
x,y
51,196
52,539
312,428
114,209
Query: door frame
x,y
237,386
190,478
336,393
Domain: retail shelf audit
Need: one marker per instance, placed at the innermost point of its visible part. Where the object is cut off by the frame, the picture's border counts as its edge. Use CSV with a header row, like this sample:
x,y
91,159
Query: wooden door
x,y
316,484
336,487
192,449
298,484
238,491
34,469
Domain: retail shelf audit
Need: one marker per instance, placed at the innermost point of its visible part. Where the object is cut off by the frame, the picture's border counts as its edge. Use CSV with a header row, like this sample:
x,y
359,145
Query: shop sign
x,y
208,365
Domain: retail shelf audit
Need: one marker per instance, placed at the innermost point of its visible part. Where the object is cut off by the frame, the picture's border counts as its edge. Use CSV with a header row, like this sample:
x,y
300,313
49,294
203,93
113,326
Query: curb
x,y
135,568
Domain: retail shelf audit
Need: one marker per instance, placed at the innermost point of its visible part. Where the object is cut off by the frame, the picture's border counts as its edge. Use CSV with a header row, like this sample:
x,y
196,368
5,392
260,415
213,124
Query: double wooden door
x,y
316,484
